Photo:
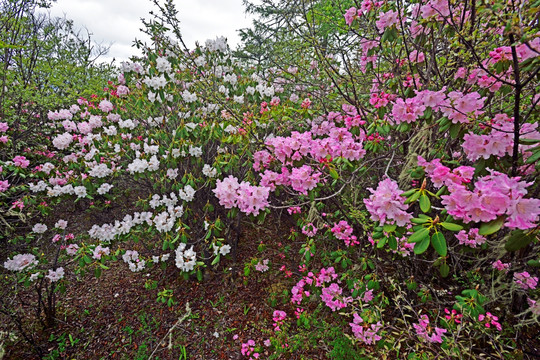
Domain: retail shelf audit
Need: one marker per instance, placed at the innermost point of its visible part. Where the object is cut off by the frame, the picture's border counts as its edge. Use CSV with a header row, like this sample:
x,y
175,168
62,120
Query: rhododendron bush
x,y
406,153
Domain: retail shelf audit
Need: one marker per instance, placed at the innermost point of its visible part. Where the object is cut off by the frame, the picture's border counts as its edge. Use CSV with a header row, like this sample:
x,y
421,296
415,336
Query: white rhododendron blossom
x,y
185,259
195,151
187,194
56,275
104,188
21,262
80,191
100,171
62,141
131,257
209,171
39,228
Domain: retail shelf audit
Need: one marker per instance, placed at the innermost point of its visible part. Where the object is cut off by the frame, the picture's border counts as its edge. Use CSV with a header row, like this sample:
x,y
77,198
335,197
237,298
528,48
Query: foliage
x,y
403,145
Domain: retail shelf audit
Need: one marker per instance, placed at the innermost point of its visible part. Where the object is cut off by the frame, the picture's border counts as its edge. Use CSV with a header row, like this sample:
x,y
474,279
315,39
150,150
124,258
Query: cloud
x,y
118,22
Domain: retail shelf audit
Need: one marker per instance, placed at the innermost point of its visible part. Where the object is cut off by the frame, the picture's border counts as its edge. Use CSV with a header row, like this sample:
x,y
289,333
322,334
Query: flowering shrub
x,y
413,148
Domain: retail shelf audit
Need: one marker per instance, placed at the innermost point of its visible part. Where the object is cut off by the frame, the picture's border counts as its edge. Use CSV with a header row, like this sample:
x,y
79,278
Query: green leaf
x,y
87,259
389,227
392,242
439,243
97,272
382,242
425,204
419,221
454,130
533,158
422,246
419,235
491,227
199,275
413,197
518,240
216,260
451,226
165,245
334,174
444,270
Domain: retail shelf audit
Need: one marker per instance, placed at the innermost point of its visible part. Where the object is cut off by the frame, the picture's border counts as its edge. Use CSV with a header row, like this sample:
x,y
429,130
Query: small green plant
x,y
166,296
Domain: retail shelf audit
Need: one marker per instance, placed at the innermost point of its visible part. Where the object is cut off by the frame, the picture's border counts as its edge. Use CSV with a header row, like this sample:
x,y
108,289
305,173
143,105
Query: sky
x,y
117,22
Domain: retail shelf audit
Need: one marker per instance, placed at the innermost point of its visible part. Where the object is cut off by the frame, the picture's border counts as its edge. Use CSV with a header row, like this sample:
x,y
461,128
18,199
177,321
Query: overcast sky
x,y
118,21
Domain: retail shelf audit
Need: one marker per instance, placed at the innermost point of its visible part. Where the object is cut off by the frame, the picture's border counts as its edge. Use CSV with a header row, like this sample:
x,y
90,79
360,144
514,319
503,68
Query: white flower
x,y
163,65
72,249
187,194
61,224
100,171
56,274
185,259
172,173
195,151
80,191
225,249
21,262
39,228
209,171
62,141
189,97
104,189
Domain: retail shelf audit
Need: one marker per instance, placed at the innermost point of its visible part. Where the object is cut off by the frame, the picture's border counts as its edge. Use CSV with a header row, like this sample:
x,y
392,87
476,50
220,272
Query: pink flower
x,y
387,19
525,281
490,320
4,127
350,15
426,332
499,265
4,185
386,204
21,161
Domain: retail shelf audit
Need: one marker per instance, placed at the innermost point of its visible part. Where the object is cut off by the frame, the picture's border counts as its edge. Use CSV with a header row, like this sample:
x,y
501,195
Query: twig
x,y
180,320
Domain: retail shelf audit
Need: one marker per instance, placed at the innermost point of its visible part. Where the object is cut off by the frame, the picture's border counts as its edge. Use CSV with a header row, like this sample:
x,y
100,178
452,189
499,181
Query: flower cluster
x,y
366,333
494,195
472,238
248,198
185,259
386,204
343,231
426,332
20,262
525,280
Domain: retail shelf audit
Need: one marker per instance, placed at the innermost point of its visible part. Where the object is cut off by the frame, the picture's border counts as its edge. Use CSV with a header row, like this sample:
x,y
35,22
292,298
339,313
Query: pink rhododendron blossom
x,y
499,265
4,127
386,204
366,333
279,318
407,111
426,332
262,265
21,161
4,185
490,320
387,19
249,199
350,15
99,251
525,280
472,238
309,230
332,297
